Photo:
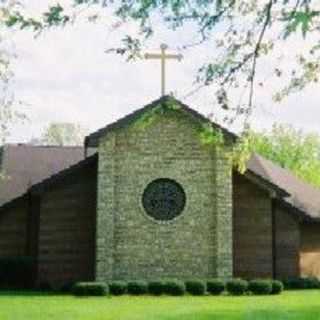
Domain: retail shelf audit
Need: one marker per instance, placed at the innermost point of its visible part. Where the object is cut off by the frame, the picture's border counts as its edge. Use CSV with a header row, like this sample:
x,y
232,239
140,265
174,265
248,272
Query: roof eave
x,y
92,139
272,188
300,214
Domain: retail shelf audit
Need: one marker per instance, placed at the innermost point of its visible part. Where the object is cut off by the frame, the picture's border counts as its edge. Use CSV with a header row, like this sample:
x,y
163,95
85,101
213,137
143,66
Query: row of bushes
x,y
301,283
179,288
17,272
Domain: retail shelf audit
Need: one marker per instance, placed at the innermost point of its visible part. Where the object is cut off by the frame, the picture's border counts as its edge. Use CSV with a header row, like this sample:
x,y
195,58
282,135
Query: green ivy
x,y
208,135
149,117
211,136
241,153
238,154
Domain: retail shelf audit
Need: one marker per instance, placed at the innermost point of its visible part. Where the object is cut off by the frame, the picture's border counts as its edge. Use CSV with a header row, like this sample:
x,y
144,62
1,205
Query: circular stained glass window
x,y
164,199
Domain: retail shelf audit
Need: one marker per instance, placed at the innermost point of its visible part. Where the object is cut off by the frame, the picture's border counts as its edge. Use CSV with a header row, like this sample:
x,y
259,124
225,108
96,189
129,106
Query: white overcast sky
x,y
65,76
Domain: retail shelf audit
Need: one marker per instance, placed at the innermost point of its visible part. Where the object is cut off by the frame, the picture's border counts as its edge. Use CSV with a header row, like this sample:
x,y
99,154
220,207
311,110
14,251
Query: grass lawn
x,y
290,305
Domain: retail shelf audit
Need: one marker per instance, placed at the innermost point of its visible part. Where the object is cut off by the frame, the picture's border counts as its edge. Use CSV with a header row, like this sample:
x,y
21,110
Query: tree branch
x,y
257,51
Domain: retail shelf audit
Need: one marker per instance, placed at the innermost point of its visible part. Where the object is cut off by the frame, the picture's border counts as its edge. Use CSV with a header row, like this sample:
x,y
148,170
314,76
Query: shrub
x,y
311,283
196,287
118,288
237,286
215,286
17,272
45,286
156,287
260,287
175,288
90,289
277,287
137,287
301,283
67,287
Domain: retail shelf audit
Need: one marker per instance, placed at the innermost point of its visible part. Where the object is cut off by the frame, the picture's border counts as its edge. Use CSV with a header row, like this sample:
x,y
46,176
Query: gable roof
x,y
301,195
25,165
92,140
38,166
51,181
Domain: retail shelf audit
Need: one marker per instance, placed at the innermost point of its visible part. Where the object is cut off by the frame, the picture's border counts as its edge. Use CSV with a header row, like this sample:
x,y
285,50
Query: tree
x,y
241,32
7,99
63,134
291,149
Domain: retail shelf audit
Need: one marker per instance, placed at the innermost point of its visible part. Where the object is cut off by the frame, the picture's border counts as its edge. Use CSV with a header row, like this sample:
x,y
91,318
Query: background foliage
x,y
291,149
63,134
240,33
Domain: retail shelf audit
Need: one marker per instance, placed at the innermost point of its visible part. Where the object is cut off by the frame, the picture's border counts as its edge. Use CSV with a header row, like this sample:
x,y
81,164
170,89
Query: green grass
x,y
294,305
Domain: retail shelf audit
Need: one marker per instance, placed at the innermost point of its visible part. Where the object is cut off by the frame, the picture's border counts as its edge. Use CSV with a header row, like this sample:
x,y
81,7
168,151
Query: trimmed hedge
x,y
301,283
277,287
260,287
178,288
174,288
237,287
66,287
215,286
81,289
118,288
17,272
196,287
45,286
156,287
137,287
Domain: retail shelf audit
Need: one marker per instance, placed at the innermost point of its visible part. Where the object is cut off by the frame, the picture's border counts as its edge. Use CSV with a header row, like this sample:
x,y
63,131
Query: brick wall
x,y
252,230
310,250
67,229
287,244
132,245
13,230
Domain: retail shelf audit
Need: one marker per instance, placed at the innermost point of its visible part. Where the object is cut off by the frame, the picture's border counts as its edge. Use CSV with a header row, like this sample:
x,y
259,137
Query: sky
x,y
65,75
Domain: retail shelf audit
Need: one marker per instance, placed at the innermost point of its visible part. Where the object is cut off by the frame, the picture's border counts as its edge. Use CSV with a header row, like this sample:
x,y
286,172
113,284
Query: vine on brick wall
x,y
239,153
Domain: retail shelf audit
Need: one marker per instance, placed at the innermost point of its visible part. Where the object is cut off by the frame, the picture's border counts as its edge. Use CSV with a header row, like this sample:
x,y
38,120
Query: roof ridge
x,y
41,146
91,138
52,178
285,170
63,172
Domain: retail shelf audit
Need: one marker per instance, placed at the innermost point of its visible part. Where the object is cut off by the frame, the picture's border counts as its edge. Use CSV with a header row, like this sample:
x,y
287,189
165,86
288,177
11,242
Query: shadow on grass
x,y
27,293
250,314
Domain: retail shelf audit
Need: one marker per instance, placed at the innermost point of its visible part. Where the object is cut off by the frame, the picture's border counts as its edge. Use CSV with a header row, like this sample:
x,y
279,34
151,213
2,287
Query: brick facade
x,y
66,235
310,250
252,230
287,244
130,244
88,222
13,230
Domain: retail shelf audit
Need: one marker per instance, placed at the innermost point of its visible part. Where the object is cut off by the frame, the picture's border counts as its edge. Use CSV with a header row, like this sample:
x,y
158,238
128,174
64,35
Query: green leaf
x,y
300,20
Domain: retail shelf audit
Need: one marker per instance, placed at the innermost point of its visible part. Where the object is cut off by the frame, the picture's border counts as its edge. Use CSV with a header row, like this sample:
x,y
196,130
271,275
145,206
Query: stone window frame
x,y
163,222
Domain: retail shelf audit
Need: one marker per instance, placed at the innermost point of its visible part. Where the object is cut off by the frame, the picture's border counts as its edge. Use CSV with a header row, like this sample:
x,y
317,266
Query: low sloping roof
x,y
28,165
61,176
302,195
92,140
25,165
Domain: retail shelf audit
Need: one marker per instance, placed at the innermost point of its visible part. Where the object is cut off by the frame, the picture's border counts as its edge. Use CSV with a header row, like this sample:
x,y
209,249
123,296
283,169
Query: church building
x,y
150,196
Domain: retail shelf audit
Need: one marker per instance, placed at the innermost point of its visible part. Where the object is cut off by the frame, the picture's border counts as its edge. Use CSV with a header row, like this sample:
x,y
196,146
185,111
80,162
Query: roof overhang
x,y
92,140
273,189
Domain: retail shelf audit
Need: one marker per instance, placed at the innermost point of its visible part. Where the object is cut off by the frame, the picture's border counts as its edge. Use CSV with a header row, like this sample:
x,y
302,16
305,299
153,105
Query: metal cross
x,y
163,57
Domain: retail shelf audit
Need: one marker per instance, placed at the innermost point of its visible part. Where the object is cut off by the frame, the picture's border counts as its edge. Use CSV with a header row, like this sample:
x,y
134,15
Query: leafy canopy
x,y
63,134
240,32
291,149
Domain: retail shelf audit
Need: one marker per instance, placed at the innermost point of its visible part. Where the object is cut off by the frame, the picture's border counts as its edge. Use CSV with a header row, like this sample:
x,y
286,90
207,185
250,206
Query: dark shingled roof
x,y
25,165
92,140
28,165
302,196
